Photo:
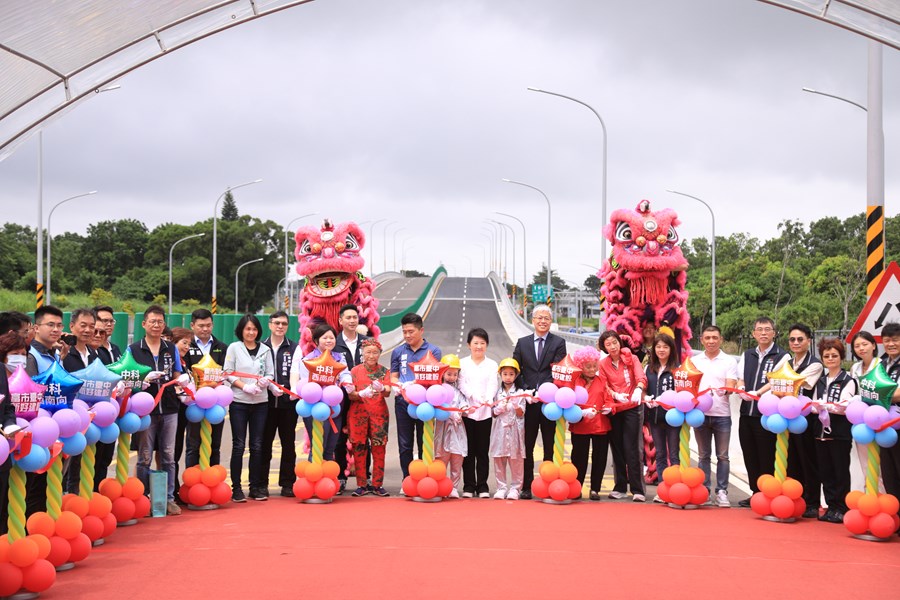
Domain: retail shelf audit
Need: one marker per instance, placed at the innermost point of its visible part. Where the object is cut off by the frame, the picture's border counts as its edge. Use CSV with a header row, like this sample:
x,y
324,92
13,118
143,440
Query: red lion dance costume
x,y
645,277
330,260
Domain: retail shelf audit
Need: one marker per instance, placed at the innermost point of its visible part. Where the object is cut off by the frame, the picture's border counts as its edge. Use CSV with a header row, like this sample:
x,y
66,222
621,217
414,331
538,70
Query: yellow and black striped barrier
x,y
214,305
874,247
39,295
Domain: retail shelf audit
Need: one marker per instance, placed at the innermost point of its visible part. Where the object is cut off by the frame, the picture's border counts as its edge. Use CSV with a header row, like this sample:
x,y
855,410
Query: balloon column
x,y
428,400
780,498
317,479
873,516
682,485
562,401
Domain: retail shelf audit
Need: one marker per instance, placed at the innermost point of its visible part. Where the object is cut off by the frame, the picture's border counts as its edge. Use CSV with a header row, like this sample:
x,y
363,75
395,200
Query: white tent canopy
x,y
876,19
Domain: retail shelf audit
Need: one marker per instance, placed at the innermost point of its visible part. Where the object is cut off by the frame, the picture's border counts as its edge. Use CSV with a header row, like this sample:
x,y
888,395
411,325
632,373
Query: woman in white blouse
x,y
478,382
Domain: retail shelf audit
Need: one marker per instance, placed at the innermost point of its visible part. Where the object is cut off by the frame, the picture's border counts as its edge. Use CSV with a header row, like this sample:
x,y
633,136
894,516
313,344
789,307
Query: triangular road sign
x,y
882,307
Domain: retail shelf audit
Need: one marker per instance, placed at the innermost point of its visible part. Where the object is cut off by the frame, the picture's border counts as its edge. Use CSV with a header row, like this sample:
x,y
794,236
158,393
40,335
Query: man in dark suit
x,y
535,353
349,345
80,355
106,321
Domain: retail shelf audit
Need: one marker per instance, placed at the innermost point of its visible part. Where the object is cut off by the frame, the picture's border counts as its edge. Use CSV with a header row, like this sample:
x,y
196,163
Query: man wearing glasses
x,y
108,351
282,415
757,444
48,330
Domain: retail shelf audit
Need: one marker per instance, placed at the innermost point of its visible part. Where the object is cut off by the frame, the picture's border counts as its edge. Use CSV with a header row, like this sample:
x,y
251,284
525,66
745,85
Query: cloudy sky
x,y
415,110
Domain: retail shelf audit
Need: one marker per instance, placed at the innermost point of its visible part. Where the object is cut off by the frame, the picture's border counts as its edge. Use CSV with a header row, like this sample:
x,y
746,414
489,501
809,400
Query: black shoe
x,y
287,492
812,512
525,495
824,516
264,491
836,517
745,503
238,496
258,495
343,487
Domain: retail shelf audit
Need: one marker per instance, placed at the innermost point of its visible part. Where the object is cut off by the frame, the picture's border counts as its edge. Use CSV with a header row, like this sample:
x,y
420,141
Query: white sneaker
x,y
638,498
722,499
454,493
468,495
513,494
614,495
484,495
402,493
658,500
500,495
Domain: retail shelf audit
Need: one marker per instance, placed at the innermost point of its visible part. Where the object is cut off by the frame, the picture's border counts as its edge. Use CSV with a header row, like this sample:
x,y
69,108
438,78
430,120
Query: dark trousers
x,y
102,459
252,418
192,444
340,450
329,436
71,474
833,457
180,430
35,493
476,464
535,421
581,448
890,469
626,439
758,448
283,421
4,500
803,464
406,427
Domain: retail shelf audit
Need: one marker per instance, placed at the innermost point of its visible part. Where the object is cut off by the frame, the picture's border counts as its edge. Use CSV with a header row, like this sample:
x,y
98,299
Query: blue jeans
x,y
162,433
252,417
665,441
329,436
406,427
720,427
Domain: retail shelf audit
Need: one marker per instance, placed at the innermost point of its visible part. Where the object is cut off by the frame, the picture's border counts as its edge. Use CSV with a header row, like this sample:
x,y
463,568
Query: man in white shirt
x,y
719,370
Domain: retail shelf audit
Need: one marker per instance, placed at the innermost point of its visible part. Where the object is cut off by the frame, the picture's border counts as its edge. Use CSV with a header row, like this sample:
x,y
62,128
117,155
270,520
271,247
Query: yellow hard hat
x,y
509,362
667,330
451,360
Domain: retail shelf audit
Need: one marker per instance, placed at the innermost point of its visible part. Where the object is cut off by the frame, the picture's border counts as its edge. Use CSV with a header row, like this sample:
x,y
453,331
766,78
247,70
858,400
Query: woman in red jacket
x,y
594,425
625,382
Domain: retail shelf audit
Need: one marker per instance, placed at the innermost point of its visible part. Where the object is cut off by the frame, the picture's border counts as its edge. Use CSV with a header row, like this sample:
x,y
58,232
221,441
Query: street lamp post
x,y
603,199
549,284
49,236
712,247
492,233
403,251
384,249
505,227
286,232
196,235
524,258
216,237
501,247
395,246
372,245
249,262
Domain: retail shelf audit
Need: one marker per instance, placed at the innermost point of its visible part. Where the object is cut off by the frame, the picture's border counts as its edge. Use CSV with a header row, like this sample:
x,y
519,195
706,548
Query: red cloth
x,y
623,378
598,397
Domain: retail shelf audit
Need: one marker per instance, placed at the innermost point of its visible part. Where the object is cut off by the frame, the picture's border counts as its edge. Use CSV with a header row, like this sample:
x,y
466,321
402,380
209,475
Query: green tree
x,y
540,278
229,208
18,247
843,279
112,248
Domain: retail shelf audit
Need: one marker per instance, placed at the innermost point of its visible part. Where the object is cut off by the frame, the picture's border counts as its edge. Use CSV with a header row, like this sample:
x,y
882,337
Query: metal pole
x,y
504,227
49,221
196,235
549,271
491,233
524,259
372,245
216,237
384,250
238,270
39,284
874,171
712,248
395,246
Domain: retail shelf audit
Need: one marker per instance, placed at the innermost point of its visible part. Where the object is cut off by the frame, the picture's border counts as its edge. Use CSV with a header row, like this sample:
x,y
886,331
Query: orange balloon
x,y
692,477
330,469
868,505
888,504
680,494
418,470
68,525
191,476
4,548
300,468
10,579
549,472
133,488
769,486
313,472
43,543
208,478
23,552
99,505
111,488
568,472
76,504
437,470
792,488
42,523
852,499
782,506
221,473
672,475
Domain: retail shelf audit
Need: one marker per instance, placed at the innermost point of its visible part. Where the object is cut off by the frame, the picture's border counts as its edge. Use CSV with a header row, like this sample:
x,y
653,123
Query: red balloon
x,y
326,488
410,487
184,492
679,494
38,577
799,508
427,488
109,525
99,505
81,547
662,490
304,489
856,522
699,494
558,490
761,504
574,490
59,551
882,525
10,579
92,527
445,486
141,507
123,509
782,506
221,494
539,488
199,495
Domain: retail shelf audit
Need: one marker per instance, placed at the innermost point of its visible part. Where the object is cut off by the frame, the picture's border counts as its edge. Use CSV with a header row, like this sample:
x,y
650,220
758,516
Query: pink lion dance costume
x,y
645,277
330,260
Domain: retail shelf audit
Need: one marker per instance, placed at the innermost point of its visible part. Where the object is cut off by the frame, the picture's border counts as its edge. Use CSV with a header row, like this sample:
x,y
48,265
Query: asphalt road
x,y
394,295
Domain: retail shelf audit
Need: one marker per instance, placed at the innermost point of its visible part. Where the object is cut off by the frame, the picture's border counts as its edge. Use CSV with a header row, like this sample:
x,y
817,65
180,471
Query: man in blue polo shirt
x,y
414,349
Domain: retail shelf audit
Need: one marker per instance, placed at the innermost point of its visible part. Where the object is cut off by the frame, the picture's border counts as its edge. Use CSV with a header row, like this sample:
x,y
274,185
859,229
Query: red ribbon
x,y
21,444
257,378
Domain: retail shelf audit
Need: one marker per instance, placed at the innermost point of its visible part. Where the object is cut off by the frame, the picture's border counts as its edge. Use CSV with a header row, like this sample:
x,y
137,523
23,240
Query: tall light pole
x,y
492,233
403,251
49,235
216,238
500,237
287,230
524,258
712,247
509,227
395,246
603,197
238,270
549,284
384,250
372,245
196,235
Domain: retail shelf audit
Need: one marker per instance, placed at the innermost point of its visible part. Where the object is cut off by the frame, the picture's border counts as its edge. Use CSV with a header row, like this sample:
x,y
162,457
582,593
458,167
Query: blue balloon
x,y
321,411
194,413
214,414
674,417
764,421
441,415
61,387
411,411
335,410
75,444
425,412
797,425
862,433
886,438
776,424
92,434
35,460
695,417
572,414
129,422
145,423
552,411
109,434
304,409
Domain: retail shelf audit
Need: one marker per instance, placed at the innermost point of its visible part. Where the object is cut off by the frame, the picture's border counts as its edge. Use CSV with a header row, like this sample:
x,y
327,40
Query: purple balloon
x,y
416,393
684,401
449,393
875,416
547,392
434,395
704,402
789,407
311,392
21,422
104,414
332,395
4,450
141,404
895,413
44,431
224,396
565,398
806,407
768,404
69,421
856,412
205,397
581,395
668,397
43,412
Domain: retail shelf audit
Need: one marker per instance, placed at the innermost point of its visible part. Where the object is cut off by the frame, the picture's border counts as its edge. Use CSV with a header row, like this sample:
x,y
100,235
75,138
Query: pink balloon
x,y
25,393
547,392
416,393
789,407
581,395
768,404
104,414
435,395
668,397
44,431
4,450
224,395
69,422
332,395
205,397
311,392
684,401
141,404
875,416
704,402
856,412
565,397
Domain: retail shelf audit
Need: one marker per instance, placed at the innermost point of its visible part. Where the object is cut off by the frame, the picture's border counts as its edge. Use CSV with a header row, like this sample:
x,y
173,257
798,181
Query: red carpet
x,y
396,548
